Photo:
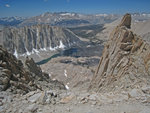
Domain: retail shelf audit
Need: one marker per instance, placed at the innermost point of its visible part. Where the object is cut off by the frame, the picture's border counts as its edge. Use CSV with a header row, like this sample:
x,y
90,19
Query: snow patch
x,y
53,49
67,14
49,75
48,19
67,87
103,15
144,14
55,19
65,73
22,55
53,79
81,16
43,49
37,32
27,52
35,50
61,45
39,20
16,54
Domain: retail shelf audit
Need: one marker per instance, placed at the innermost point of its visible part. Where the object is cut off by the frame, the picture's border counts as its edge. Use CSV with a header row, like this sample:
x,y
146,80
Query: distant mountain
x,y
66,19
138,17
142,28
140,25
31,39
11,21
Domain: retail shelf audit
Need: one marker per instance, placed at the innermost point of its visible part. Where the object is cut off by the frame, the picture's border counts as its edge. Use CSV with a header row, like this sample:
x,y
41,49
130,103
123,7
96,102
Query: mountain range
x,y
51,31
67,19
11,21
64,19
30,39
119,83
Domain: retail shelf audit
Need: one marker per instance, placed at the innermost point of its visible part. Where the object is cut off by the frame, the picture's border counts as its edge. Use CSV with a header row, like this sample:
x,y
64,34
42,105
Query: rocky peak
x,y
31,39
31,65
126,21
17,77
125,61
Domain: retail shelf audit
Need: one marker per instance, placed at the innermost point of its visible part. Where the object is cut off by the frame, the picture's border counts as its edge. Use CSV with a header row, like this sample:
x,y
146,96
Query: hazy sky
x,y
35,7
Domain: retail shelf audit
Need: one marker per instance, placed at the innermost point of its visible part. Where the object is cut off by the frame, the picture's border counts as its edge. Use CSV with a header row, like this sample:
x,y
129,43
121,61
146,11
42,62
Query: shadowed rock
x,y
18,78
33,38
126,21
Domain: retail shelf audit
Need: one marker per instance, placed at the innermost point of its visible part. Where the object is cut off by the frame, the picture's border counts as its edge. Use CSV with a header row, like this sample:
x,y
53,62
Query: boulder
x,y
34,98
66,99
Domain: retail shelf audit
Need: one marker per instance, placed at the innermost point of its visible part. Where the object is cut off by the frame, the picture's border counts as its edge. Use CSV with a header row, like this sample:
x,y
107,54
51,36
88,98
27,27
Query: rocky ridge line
x,y
18,77
31,39
125,61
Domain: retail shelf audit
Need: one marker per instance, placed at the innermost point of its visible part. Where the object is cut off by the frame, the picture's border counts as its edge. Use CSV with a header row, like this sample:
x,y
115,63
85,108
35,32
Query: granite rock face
x,y
17,77
32,38
125,61
126,21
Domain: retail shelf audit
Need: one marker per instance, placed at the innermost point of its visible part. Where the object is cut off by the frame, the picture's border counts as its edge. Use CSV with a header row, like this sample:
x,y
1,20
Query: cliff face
x,y
125,62
30,39
17,77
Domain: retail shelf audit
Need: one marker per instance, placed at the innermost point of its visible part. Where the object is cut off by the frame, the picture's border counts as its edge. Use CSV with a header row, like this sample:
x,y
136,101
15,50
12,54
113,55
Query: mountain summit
x,y
125,62
126,21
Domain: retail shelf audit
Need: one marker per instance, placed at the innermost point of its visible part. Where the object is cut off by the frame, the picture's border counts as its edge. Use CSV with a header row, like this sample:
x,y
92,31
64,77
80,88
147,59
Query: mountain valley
x,y
75,63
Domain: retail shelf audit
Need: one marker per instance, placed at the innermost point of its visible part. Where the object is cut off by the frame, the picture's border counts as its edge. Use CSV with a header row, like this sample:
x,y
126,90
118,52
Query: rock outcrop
x,y
125,61
126,21
17,77
30,39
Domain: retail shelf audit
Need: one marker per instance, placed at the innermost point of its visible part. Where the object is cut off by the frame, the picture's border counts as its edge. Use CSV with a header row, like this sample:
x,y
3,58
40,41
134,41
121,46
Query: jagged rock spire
x,y
125,59
126,21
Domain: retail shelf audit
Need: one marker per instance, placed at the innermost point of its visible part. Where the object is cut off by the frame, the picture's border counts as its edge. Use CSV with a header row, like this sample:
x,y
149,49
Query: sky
x,y
28,8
